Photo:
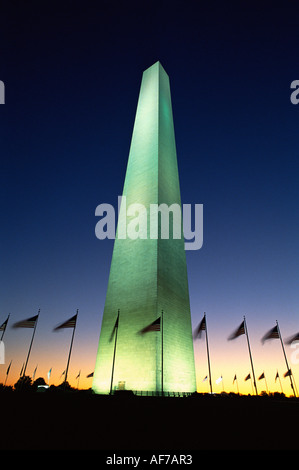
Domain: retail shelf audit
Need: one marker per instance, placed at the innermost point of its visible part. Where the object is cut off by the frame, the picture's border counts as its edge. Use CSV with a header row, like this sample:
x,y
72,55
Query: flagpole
x,y
34,372
251,385
277,376
246,332
113,362
4,329
285,356
208,354
162,365
7,372
237,386
78,379
49,375
235,379
266,384
31,343
70,352
280,384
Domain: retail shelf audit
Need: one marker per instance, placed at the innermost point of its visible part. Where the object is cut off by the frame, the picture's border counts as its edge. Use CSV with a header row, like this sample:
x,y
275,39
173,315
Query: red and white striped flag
x,y
70,323
273,333
238,332
4,325
155,326
28,323
115,327
201,327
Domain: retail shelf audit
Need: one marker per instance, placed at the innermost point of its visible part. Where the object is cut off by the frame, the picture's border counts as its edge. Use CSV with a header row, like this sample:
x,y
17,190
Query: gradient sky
x,y
72,74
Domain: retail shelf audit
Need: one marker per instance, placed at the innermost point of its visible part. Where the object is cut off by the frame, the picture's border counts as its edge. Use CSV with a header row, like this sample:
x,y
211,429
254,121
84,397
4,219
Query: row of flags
x,y
248,377
262,376
32,323
157,325
273,333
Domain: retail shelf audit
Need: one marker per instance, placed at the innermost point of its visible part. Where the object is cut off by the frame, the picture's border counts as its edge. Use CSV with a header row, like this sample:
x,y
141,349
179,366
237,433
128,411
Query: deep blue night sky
x,y
72,74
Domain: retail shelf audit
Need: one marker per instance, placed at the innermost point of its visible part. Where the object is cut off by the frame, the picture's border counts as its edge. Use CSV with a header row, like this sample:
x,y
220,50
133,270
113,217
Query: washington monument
x,y
146,337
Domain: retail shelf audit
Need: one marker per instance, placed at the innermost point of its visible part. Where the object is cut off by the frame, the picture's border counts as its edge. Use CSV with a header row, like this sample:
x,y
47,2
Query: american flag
x,y
70,323
273,333
8,368
4,325
155,326
238,332
277,376
28,323
115,327
201,327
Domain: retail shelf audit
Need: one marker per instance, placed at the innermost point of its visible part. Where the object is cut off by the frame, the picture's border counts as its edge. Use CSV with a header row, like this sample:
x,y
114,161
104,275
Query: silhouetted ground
x,y
81,420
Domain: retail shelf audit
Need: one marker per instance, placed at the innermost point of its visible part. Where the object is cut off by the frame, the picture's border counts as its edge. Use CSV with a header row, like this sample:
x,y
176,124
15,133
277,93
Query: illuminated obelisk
x,y
148,275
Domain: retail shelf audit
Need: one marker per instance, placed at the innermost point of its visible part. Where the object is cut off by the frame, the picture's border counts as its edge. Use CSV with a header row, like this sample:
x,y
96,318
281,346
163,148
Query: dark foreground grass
x,y
81,421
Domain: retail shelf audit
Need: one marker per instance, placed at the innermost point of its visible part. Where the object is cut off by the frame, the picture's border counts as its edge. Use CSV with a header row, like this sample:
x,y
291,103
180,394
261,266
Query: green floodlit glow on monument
x,y
148,275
